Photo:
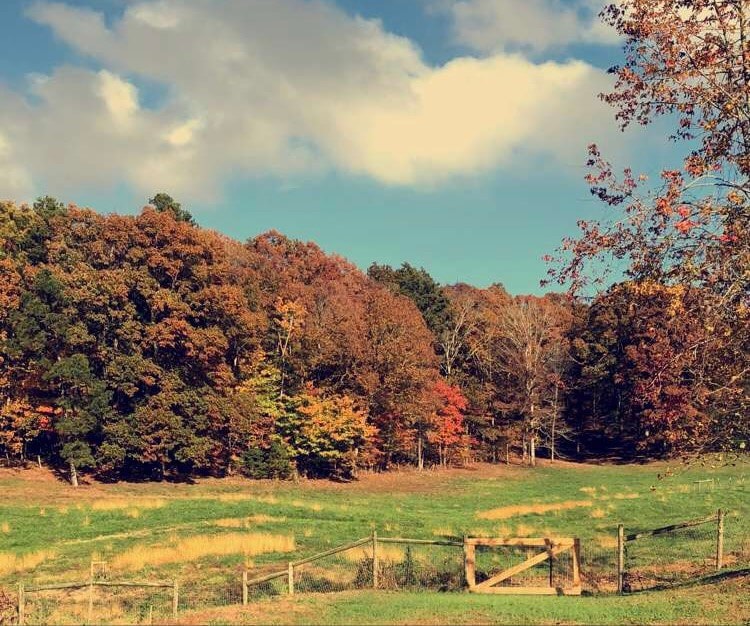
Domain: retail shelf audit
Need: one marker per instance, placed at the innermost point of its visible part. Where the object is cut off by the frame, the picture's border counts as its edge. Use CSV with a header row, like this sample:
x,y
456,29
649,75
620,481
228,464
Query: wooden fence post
x,y
90,613
175,598
290,578
719,539
244,587
620,557
374,559
470,563
577,562
21,604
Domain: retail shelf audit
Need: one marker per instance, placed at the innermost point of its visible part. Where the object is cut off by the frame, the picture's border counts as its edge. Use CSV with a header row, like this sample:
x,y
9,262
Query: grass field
x,y
208,532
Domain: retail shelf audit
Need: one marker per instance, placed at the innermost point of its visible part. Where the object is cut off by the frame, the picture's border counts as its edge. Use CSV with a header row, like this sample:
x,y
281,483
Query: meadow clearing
x,y
206,533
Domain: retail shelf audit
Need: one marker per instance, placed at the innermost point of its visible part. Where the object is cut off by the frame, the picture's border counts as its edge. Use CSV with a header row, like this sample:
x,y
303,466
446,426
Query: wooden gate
x,y
552,548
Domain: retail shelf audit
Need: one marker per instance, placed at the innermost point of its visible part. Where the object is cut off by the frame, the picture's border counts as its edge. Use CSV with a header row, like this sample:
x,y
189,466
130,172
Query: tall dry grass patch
x,y
200,546
11,563
5,527
129,504
506,512
247,522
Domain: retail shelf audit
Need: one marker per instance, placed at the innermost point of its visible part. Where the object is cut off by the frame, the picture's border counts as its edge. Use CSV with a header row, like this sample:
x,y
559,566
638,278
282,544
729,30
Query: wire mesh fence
x,y
200,595
672,555
599,566
342,571
84,603
387,564
420,566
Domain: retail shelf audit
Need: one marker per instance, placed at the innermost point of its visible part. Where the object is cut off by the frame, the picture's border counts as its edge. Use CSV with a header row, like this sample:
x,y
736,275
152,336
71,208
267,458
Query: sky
x,y
451,134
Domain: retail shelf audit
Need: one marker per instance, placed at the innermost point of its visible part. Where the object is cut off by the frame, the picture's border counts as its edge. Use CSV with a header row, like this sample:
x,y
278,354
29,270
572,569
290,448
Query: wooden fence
x,y
623,539
551,549
90,584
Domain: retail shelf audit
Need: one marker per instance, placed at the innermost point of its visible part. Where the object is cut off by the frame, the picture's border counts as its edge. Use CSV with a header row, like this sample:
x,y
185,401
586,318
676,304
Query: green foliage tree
x,y
164,203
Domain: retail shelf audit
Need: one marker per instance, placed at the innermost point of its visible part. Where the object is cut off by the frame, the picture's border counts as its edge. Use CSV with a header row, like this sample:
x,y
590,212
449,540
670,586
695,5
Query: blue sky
x,y
448,133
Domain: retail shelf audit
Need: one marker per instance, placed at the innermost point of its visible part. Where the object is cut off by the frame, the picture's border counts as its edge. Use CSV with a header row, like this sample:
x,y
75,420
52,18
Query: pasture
x,y
206,533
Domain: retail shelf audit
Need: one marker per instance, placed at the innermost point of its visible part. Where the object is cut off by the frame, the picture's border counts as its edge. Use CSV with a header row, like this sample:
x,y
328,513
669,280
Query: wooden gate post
x,y
620,557
719,539
290,578
175,598
577,562
470,563
244,587
21,604
374,559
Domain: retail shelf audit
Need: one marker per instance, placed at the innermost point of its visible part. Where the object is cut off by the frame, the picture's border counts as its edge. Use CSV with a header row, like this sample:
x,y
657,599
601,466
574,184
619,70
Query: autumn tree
x,y
447,431
687,61
326,435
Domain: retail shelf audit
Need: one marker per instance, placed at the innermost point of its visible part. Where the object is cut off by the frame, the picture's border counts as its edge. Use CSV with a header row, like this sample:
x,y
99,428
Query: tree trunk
x,y
552,446
532,451
420,453
73,475
554,423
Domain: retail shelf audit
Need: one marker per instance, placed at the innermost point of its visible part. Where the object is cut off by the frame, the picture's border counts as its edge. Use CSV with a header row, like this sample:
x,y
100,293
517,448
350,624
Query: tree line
x,y
146,346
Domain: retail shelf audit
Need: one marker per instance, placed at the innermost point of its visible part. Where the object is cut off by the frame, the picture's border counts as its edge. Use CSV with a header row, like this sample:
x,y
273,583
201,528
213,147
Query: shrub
x,y
271,462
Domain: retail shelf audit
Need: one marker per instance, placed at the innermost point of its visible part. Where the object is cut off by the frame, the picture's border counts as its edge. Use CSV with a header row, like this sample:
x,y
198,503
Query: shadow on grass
x,y
697,582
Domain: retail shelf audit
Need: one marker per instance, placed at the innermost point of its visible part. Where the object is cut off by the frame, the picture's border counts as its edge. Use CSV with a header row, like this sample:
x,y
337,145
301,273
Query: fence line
x,y
90,584
672,568
626,562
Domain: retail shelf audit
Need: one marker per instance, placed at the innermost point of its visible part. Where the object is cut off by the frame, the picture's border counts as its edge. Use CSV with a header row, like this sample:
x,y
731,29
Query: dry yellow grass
x,y
589,491
242,497
626,496
304,505
5,527
522,530
606,541
443,532
11,563
130,504
232,497
506,512
246,522
598,513
200,546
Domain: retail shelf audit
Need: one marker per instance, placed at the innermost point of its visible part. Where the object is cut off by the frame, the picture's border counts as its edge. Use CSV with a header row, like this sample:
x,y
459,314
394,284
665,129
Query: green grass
x,y
725,604
38,513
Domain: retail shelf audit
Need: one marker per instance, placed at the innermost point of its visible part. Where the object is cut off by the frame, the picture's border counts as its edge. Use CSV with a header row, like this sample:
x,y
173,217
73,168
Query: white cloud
x,y
15,180
283,88
490,26
120,98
